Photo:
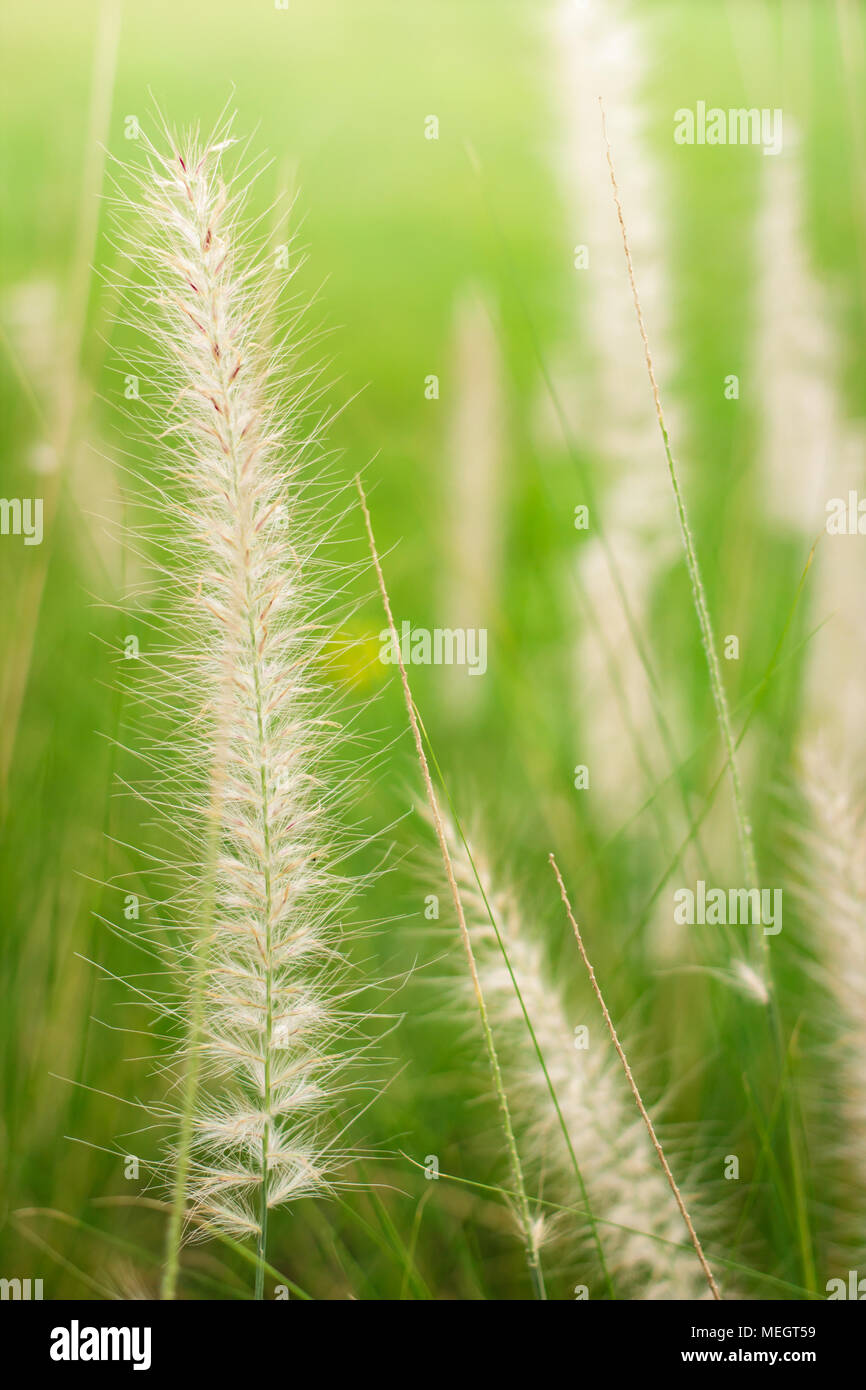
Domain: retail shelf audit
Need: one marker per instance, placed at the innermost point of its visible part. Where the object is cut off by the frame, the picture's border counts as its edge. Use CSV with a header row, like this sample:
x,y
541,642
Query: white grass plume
x,y
797,353
602,46
605,46
640,1229
832,856
476,452
267,1012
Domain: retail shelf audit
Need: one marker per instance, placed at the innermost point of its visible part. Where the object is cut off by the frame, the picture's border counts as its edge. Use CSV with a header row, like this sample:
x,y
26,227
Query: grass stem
x,y
524,1215
693,1235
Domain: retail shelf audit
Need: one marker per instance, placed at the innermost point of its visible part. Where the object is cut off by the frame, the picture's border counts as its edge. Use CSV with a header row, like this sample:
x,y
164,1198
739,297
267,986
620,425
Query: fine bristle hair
x,y
638,1226
264,1017
831,858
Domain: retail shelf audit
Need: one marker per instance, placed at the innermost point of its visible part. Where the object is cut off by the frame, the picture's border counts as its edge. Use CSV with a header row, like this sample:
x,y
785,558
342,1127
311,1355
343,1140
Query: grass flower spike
x,y
639,1228
268,1027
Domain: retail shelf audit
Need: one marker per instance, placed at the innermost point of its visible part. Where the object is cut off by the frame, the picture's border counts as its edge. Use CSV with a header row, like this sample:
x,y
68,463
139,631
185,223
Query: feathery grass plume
x,y
476,449
605,46
810,451
263,997
832,859
641,1231
629,1075
835,699
602,46
797,352
720,700
723,717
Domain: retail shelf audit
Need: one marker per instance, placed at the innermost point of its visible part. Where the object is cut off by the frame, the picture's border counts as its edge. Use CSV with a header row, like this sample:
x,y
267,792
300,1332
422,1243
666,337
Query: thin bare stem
x,y
744,828
532,1253
693,1235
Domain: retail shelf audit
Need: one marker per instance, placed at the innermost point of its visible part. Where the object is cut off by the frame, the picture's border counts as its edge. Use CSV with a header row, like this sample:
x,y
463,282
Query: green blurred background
x,y
454,257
